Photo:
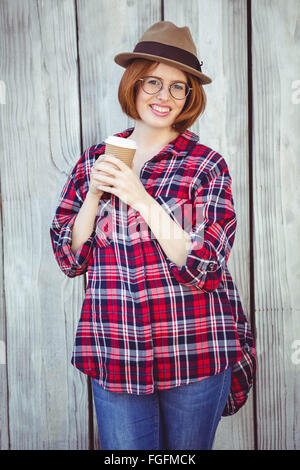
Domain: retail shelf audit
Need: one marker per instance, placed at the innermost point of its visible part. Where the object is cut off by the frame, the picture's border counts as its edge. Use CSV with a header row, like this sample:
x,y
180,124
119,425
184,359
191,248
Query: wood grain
x,y
47,402
276,196
219,30
61,83
104,30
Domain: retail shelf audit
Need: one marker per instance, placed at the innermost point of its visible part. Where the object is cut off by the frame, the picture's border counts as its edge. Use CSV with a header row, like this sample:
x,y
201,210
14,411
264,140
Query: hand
x,y
95,177
121,181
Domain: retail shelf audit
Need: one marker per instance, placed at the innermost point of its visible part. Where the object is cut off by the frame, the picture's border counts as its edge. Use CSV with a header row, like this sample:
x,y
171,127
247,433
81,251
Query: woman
x,y
162,331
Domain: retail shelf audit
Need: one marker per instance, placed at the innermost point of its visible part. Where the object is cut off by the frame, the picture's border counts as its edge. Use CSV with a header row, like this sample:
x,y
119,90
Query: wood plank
x,y
4,430
276,66
41,140
47,399
219,29
105,29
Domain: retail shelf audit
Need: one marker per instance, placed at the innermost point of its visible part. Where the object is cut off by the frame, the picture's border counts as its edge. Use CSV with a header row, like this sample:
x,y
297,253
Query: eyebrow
x,y
173,81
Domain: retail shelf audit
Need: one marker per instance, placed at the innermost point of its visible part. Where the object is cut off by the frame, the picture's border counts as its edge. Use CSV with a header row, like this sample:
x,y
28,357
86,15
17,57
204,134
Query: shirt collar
x,y
180,146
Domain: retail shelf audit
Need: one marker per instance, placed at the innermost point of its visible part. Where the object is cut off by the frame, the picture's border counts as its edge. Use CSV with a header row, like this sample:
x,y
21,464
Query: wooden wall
x,y
60,83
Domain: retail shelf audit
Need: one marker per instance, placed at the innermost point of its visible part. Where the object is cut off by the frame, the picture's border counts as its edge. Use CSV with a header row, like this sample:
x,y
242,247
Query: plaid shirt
x,y
146,323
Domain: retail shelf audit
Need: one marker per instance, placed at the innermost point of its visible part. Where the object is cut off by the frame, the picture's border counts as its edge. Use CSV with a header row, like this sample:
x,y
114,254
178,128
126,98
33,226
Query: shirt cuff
x,y
80,259
199,263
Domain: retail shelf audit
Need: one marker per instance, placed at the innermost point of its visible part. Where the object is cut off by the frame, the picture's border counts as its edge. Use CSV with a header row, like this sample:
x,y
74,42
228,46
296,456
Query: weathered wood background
x,y
59,96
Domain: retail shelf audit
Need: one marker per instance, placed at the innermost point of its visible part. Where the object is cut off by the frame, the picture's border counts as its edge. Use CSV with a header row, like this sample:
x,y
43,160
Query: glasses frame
x,y
162,84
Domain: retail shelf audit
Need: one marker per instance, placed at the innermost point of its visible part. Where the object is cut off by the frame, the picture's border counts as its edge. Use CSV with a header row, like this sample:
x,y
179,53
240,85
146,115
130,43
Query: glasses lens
x,y
179,90
151,85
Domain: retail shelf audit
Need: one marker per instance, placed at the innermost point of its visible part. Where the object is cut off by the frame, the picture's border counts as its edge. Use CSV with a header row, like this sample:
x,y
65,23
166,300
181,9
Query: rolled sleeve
x,y
71,264
212,235
69,204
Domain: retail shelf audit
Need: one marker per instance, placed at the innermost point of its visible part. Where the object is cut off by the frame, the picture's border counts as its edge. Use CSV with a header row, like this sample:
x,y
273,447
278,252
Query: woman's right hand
x,y
95,179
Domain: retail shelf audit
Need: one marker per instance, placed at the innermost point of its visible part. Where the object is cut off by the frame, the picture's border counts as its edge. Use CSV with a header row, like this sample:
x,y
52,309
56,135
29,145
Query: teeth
x,y
161,110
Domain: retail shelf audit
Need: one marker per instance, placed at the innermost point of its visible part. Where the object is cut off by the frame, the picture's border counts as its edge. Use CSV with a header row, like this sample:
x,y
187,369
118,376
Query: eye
x,y
152,81
178,86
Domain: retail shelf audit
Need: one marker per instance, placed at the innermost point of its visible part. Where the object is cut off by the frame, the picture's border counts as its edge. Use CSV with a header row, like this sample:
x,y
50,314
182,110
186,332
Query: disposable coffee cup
x,y
121,148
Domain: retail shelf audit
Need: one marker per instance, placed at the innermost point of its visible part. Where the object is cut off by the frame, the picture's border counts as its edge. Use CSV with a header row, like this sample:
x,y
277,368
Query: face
x,y
146,104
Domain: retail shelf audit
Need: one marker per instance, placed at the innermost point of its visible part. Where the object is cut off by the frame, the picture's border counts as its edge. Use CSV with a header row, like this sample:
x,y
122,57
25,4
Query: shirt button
x,y
211,266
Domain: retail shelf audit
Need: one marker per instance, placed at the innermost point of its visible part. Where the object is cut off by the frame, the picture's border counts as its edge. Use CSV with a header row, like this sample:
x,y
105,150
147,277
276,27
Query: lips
x,y
160,110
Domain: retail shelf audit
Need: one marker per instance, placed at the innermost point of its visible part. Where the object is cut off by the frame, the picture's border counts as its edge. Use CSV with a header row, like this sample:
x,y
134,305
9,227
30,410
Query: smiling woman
x,y
162,331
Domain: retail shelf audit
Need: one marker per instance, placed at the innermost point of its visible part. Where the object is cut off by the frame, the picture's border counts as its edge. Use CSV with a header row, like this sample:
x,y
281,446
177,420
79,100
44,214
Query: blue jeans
x,y
178,418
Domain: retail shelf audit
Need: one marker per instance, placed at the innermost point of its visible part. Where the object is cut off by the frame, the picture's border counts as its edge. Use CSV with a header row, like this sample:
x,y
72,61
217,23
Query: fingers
x,y
113,166
106,157
111,159
103,162
103,178
100,167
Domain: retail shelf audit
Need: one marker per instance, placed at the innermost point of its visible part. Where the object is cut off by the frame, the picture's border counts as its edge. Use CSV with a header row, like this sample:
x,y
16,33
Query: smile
x,y
160,110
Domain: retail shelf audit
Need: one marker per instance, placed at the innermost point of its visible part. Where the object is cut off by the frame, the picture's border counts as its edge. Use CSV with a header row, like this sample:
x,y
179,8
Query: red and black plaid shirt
x,y
146,323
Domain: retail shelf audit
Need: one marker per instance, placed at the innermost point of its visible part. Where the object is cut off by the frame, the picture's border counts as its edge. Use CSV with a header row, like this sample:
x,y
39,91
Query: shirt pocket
x,y
103,224
179,209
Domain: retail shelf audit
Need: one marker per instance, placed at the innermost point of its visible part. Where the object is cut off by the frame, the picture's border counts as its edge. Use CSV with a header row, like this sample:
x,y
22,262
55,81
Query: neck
x,y
150,137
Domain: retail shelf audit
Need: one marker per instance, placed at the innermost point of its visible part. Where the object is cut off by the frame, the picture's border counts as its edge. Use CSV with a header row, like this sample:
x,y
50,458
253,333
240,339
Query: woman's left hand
x,y
122,182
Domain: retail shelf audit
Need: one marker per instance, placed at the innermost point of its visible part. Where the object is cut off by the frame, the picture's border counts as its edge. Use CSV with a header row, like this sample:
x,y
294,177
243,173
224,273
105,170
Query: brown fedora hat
x,y
165,42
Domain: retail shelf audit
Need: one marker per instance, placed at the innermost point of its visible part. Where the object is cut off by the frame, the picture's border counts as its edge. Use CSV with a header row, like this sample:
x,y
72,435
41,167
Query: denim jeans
x,y
179,418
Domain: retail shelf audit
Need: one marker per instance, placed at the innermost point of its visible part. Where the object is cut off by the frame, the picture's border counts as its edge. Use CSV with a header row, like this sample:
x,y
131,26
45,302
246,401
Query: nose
x,y
164,93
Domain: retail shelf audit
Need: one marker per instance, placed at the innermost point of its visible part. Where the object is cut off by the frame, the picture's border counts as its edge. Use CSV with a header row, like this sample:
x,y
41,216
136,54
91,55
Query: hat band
x,y
169,52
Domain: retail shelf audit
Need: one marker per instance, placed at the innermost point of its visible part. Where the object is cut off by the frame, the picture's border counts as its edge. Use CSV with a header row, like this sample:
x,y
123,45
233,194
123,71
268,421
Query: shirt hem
x,y
134,390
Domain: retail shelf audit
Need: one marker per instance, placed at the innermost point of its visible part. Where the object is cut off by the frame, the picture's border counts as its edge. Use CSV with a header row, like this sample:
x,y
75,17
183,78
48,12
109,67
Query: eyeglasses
x,y
152,85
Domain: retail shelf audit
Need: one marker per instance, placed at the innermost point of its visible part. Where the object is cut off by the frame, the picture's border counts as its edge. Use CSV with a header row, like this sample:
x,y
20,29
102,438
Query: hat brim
x,y
125,58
